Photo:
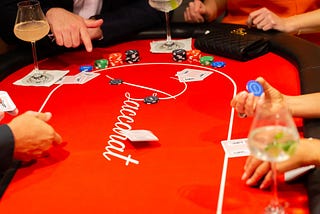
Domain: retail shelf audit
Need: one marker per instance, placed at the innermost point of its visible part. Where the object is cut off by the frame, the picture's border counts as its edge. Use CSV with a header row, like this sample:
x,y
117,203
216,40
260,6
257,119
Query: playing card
x,y
189,75
79,78
236,147
140,135
6,104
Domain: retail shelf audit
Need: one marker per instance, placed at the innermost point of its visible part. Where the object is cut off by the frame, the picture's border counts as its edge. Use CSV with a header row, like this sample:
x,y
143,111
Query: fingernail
x,y
249,182
244,176
49,115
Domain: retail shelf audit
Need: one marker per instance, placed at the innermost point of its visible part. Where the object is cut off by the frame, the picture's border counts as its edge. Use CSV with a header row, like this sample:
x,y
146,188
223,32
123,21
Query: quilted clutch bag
x,y
233,41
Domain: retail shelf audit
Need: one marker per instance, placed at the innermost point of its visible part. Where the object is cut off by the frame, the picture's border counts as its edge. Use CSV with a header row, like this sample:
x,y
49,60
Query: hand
x,y
70,30
32,135
266,20
245,103
257,172
195,12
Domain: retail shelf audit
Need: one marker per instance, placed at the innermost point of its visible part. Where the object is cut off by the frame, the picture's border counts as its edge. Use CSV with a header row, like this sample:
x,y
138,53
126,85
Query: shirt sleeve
x,y
6,147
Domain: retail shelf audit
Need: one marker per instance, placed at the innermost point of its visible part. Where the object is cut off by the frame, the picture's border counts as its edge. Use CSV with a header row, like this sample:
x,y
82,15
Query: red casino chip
x,y
115,59
193,55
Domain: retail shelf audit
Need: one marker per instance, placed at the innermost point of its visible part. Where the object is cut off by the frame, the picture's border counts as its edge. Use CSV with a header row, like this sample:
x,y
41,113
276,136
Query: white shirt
x,y
87,8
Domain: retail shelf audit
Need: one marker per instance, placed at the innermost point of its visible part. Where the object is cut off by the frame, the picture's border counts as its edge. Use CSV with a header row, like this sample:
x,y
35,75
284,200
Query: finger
x,y
58,37
67,41
57,140
267,181
258,174
13,112
42,116
86,40
1,115
251,165
250,104
90,23
75,37
241,100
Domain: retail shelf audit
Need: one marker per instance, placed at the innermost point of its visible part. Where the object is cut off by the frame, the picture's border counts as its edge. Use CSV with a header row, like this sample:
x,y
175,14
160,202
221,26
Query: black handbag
x,y
233,41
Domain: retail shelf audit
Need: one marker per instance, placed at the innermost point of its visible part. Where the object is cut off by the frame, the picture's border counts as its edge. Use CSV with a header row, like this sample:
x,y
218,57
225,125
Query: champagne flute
x,y
273,137
166,6
31,25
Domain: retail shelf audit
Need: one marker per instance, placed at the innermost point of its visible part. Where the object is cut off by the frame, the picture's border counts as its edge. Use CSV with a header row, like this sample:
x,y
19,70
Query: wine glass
x,y
31,25
166,6
273,137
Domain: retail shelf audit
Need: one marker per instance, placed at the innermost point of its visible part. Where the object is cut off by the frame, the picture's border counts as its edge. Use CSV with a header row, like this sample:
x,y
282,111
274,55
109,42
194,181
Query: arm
x,y
306,106
209,10
303,23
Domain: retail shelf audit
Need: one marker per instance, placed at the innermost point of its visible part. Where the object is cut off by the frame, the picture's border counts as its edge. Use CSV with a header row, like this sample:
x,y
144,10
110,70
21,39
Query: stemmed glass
x,y
31,25
166,6
273,137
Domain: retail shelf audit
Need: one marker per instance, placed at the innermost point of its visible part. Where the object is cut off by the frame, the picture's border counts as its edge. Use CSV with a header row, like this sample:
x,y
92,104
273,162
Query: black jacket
x,y
122,18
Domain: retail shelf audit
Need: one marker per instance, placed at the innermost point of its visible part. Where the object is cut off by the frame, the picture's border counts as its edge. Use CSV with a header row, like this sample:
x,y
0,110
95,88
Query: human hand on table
x,y
195,12
257,172
33,136
71,30
245,102
265,19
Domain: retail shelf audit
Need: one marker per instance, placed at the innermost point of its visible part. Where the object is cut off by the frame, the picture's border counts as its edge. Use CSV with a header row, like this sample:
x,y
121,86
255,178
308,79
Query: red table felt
x,y
181,173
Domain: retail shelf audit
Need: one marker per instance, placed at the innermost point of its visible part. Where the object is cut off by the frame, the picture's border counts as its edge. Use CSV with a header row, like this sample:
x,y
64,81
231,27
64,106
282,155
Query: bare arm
x,y
307,106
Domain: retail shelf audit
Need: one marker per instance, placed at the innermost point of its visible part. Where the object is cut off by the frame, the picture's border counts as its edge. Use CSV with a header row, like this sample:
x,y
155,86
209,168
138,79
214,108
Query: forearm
x,y
306,106
304,23
214,8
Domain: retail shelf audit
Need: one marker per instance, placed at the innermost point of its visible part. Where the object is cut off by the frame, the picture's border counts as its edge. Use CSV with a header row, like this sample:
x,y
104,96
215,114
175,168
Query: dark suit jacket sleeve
x,y
126,18
6,147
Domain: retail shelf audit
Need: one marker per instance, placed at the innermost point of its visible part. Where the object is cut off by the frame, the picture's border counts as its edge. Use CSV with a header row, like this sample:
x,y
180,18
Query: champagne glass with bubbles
x,y
166,6
31,25
273,137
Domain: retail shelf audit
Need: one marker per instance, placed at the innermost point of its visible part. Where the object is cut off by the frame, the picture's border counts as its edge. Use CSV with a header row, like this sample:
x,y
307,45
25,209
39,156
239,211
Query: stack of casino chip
x,y
132,56
193,55
206,60
179,55
115,59
101,63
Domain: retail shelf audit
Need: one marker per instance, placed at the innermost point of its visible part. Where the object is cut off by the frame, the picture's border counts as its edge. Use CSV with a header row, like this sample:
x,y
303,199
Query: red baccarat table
x,y
96,170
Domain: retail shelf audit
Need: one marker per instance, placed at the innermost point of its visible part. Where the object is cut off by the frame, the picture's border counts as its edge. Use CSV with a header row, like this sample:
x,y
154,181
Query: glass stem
x,y
169,41
275,200
35,60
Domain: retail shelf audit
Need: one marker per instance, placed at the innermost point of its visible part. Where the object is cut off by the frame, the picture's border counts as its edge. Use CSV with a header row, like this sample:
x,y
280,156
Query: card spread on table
x,y
236,147
157,46
140,135
80,78
6,104
51,77
190,75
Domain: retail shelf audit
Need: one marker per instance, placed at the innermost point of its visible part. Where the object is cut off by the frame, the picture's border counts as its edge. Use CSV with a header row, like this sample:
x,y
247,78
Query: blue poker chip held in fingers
x,y
255,88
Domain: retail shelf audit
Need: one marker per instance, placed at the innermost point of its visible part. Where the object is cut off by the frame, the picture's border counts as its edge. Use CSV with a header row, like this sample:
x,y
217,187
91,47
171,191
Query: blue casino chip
x,y
218,64
255,88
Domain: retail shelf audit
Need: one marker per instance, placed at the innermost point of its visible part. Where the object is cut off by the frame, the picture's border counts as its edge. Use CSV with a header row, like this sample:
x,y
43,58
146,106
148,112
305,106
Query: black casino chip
x,y
116,82
132,56
179,55
151,100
